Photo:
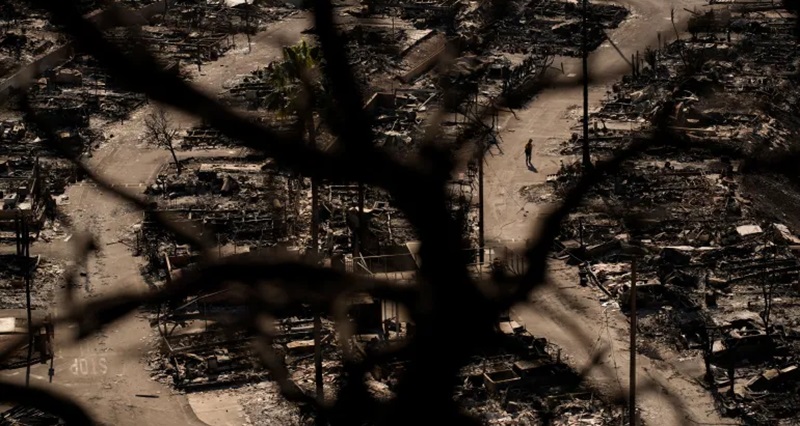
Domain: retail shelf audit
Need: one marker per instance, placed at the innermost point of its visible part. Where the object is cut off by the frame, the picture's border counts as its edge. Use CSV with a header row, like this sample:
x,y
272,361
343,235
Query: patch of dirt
x,y
536,193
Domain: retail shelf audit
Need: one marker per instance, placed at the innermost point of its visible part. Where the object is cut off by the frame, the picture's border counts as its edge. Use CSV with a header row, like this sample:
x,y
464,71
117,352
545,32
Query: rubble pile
x,y
26,35
250,205
231,17
198,358
399,129
265,406
197,32
55,173
46,277
22,415
58,174
199,137
542,26
521,381
88,6
236,201
23,165
385,228
249,90
69,95
203,136
398,126
709,274
198,349
25,195
373,54
397,122
716,250
176,44
423,14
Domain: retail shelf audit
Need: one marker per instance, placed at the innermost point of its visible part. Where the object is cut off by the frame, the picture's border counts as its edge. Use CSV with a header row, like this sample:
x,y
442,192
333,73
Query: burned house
x,y
24,196
197,349
238,203
14,323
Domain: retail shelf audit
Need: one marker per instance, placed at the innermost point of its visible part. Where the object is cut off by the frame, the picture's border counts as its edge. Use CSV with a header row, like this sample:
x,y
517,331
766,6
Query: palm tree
x,y
296,89
295,86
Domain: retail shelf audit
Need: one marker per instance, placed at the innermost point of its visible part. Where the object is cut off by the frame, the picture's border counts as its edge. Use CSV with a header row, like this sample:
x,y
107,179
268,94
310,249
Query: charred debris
x,y
715,243
250,207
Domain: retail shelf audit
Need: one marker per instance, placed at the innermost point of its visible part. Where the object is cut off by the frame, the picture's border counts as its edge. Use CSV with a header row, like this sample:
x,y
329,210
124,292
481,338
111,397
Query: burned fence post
x,y
633,64
707,350
732,374
50,327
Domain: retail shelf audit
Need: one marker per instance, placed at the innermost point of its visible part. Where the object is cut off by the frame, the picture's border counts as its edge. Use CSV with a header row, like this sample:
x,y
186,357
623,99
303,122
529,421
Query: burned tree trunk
x,y
171,148
160,131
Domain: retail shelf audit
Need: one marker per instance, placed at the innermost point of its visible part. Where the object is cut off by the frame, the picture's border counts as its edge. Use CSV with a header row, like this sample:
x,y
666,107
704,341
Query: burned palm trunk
x,y
312,139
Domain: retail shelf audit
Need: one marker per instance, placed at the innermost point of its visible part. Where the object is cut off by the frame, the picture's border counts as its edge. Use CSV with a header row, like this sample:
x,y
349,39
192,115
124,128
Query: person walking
x,y
528,152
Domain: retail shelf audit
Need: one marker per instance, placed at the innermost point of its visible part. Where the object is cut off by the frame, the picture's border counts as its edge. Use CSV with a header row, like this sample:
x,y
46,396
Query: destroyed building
x,y
24,194
83,81
234,202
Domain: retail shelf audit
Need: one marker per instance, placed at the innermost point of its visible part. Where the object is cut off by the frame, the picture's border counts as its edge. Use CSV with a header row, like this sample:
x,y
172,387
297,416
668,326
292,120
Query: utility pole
x,y
481,241
247,25
318,363
587,160
25,258
360,230
632,373
315,257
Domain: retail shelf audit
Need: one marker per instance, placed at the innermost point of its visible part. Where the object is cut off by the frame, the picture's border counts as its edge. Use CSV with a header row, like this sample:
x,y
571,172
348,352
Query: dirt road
x,y
568,315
